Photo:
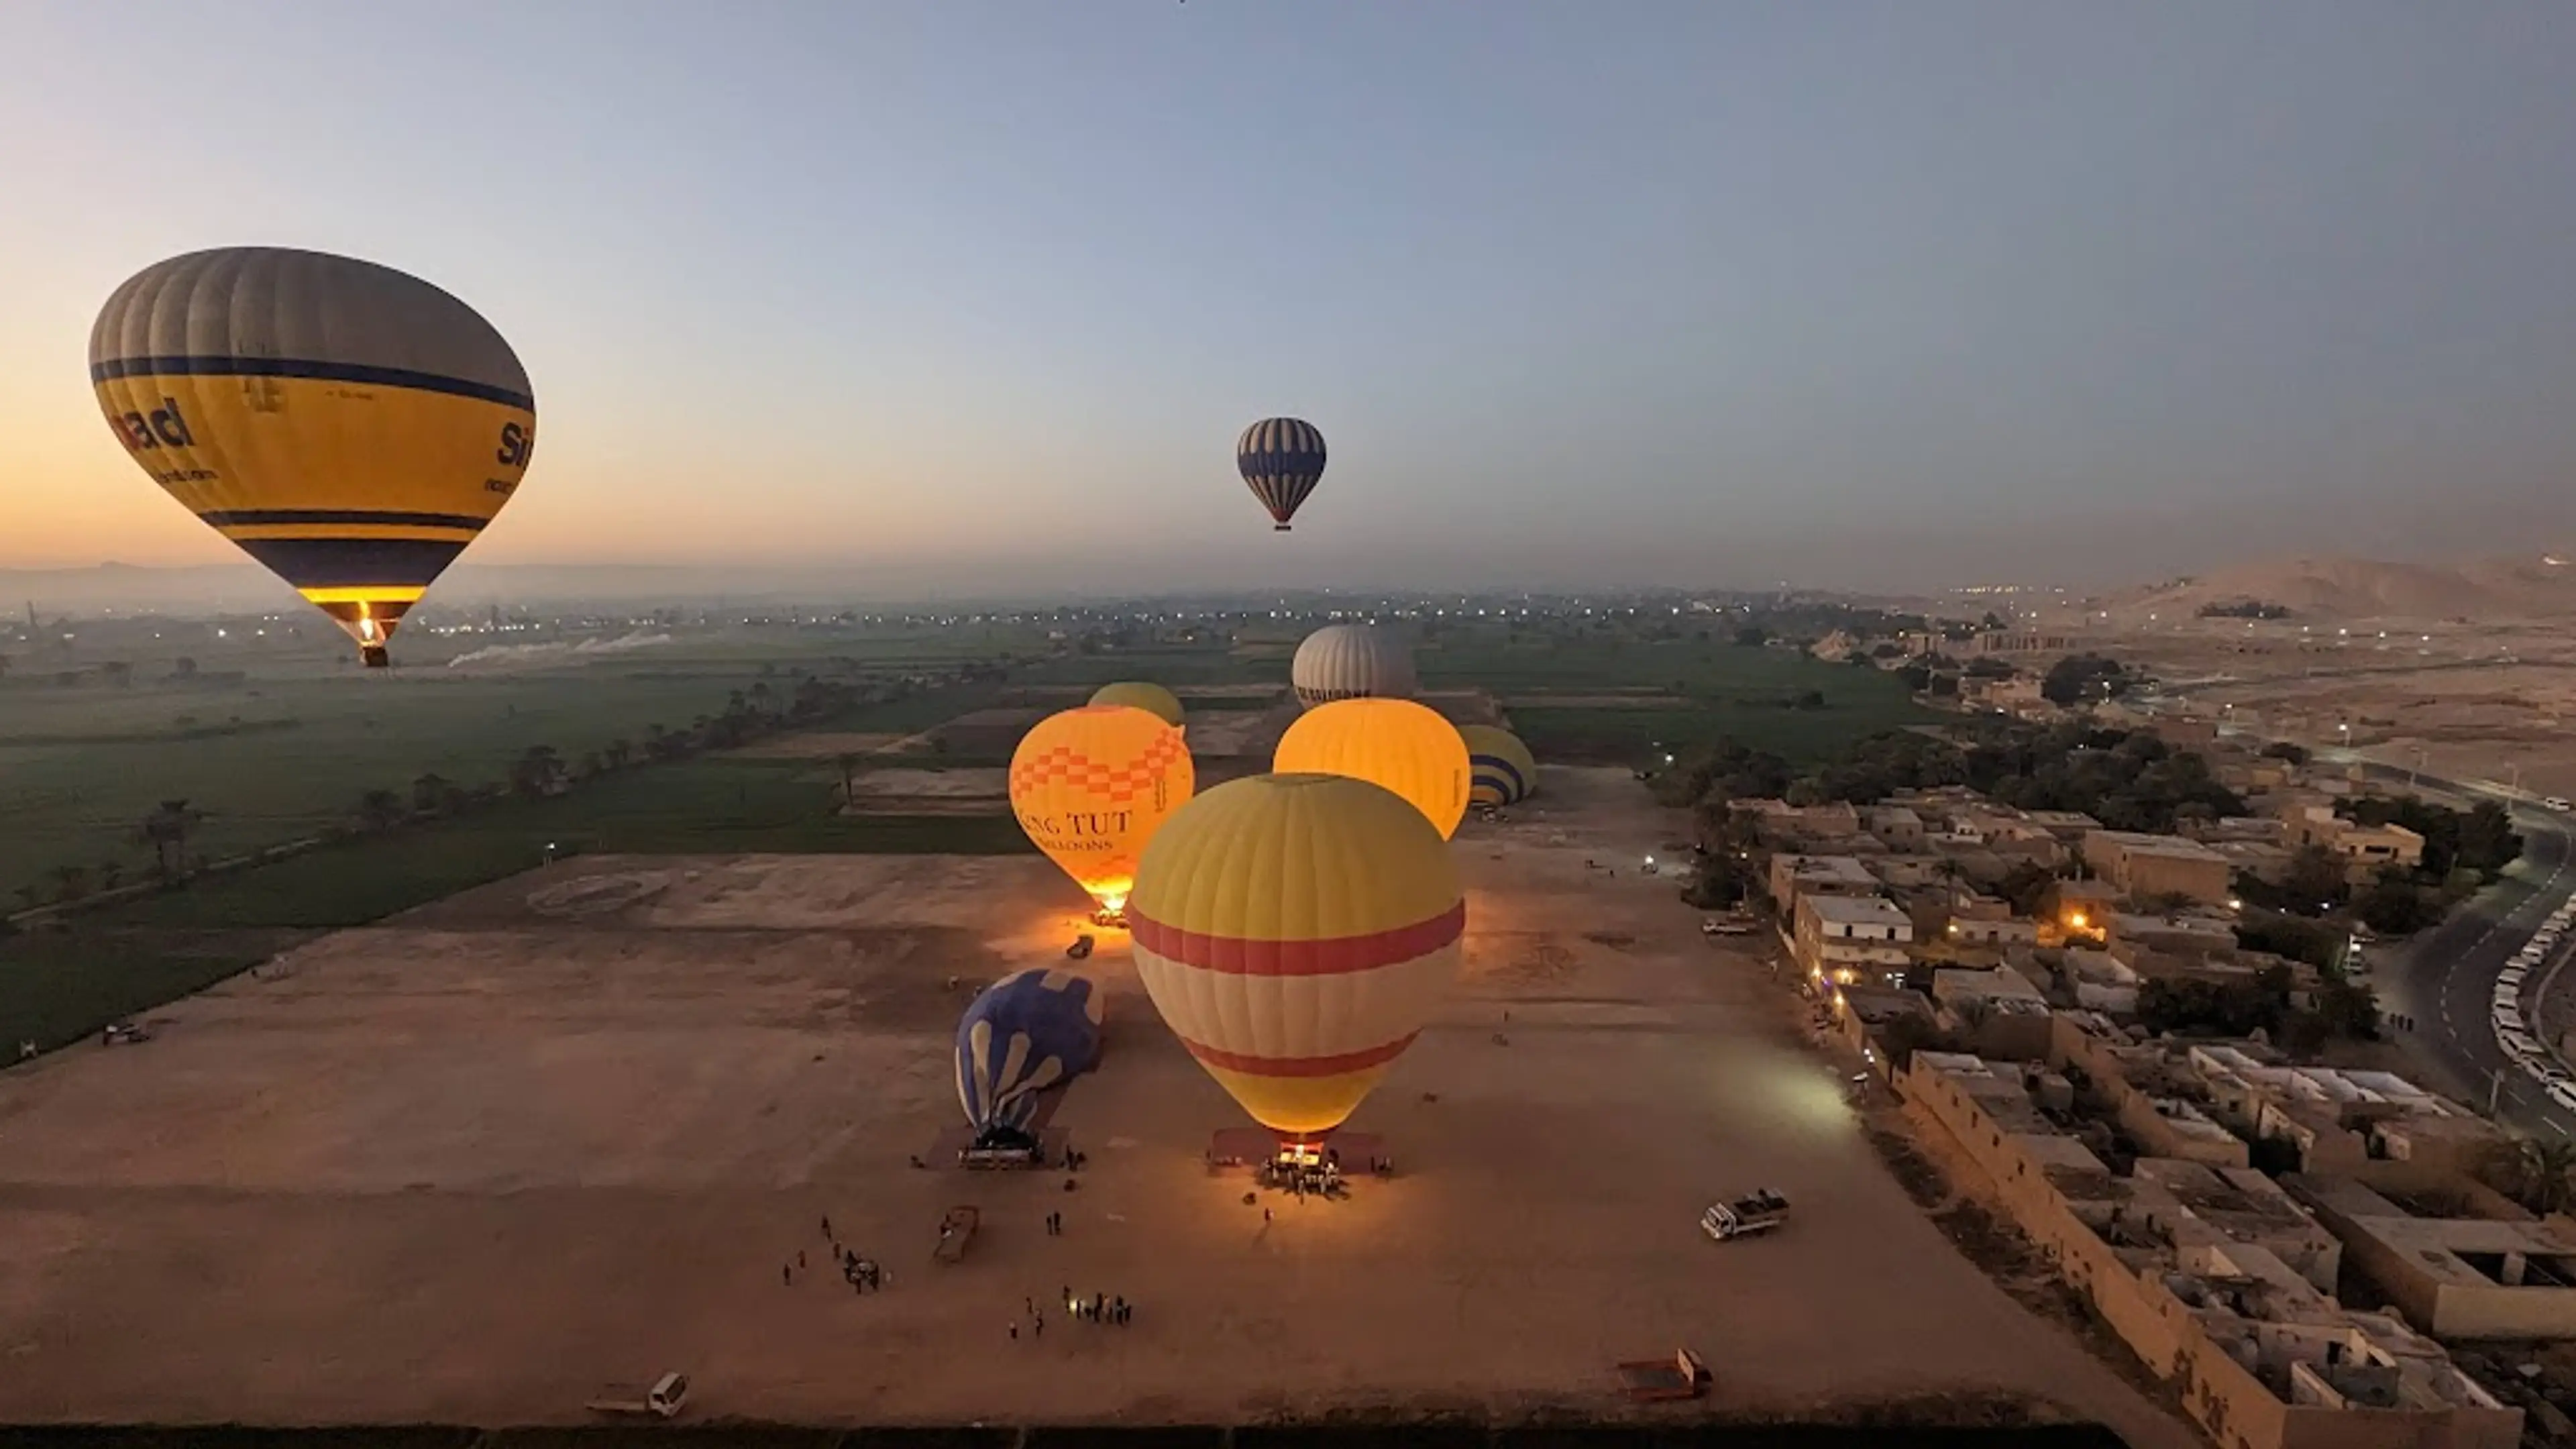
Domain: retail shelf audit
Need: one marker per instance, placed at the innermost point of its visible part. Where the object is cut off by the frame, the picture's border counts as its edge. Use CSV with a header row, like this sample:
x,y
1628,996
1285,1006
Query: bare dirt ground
x,y
1228,733
473,1163
2488,701
930,792
822,745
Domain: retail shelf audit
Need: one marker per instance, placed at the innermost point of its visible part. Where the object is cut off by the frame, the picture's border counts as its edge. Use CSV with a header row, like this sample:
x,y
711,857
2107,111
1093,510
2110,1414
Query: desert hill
x,y
2518,586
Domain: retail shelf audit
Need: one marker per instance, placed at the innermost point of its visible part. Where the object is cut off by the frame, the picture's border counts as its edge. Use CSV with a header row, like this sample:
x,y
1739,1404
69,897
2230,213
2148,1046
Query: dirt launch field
x,y
473,1163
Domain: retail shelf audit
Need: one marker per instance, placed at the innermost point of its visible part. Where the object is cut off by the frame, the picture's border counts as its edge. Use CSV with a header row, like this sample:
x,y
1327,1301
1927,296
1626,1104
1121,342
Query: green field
x,y
291,748
1685,691
286,753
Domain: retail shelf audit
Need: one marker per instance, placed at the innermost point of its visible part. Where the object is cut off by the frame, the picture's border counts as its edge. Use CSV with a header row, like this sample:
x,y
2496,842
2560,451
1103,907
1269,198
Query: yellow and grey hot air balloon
x,y
1153,699
1500,769
1092,785
1296,932
350,427
1403,746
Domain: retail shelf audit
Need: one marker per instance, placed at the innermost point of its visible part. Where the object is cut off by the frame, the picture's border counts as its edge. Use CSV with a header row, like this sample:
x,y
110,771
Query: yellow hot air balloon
x,y
1403,746
1092,785
1153,699
350,427
1296,932
1500,769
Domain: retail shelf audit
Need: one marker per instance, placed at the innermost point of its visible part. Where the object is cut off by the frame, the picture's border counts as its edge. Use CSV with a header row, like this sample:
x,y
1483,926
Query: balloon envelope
x,y
1021,1043
1500,769
1351,661
1153,699
1392,743
1092,785
350,427
1281,460
1296,931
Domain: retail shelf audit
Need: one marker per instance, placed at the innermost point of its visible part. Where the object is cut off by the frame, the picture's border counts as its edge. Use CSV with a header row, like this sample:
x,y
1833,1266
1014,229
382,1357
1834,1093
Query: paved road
x,y
2445,977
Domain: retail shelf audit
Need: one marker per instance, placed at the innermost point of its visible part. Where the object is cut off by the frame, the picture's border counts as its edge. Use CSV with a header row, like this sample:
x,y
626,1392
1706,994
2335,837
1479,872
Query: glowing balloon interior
x,y
1092,785
1394,743
350,427
1296,932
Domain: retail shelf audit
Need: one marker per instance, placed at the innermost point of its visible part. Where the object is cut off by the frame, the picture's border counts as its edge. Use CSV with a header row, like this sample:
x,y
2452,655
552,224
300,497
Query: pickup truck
x,y
1758,1211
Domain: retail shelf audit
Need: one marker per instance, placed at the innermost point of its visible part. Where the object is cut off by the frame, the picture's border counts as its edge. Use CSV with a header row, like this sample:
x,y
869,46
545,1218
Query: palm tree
x,y
71,882
432,793
167,830
109,873
537,772
848,763
617,753
2541,1170
380,809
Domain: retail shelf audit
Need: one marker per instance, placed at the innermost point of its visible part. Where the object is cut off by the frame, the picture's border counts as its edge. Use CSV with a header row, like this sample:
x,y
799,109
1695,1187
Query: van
x,y
2564,1094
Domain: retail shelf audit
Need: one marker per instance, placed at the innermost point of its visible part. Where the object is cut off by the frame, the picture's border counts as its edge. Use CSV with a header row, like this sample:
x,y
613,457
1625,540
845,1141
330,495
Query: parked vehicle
x,y
1758,1211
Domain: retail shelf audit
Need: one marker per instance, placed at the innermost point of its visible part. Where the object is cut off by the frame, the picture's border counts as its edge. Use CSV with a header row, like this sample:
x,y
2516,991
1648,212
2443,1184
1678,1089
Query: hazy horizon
x,y
973,301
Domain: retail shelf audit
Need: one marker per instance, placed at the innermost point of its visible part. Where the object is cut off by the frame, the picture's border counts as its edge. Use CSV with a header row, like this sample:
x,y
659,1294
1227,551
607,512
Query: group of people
x,y
861,1273
1098,1308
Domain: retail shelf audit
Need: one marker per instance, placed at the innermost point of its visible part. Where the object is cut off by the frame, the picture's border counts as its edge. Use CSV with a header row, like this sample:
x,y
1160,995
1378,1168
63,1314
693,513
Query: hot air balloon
x,y
1153,699
1280,460
1394,743
1296,931
1092,785
1500,769
1019,1046
350,427
1351,661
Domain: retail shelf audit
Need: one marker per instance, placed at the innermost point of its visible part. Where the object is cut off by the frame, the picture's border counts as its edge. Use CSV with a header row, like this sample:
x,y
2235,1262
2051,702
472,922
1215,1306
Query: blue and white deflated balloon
x,y
1021,1044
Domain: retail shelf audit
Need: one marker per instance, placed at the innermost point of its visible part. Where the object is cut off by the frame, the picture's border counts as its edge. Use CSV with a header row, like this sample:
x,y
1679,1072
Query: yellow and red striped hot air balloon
x,y
1406,747
1092,785
1296,931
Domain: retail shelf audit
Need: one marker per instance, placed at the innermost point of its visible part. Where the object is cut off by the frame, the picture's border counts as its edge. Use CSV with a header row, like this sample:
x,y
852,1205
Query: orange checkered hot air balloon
x,y
1296,931
1092,785
1406,747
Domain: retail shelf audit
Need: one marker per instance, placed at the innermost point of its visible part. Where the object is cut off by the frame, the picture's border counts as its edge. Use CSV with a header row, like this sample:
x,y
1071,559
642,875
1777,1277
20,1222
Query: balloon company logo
x,y
1079,829
164,426
518,444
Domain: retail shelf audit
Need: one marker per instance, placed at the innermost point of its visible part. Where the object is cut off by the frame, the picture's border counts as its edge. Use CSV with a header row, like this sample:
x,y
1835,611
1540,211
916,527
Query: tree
x,y
1905,1036
1752,636
617,753
849,766
2082,678
537,772
2394,906
2314,883
167,830
2540,1172
2027,885
110,874
71,882
380,809
183,667
2284,750
433,793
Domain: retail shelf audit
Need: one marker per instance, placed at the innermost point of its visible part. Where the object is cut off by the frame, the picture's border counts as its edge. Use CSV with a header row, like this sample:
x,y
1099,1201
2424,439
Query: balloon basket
x,y
1109,920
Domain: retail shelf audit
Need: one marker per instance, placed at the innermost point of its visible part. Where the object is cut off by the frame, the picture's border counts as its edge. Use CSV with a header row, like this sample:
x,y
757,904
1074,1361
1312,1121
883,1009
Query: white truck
x,y
662,1400
1758,1211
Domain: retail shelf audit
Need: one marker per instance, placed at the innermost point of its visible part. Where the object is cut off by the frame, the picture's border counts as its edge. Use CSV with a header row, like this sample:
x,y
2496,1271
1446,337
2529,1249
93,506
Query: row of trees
x,y
539,771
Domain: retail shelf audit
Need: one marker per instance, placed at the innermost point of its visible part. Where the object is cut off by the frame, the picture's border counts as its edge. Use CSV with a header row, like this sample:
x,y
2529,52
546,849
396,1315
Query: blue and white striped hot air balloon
x,y
1020,1044
1281,460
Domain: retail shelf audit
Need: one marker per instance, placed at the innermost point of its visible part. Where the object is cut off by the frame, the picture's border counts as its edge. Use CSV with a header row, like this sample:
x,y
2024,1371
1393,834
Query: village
x,y
2304,1245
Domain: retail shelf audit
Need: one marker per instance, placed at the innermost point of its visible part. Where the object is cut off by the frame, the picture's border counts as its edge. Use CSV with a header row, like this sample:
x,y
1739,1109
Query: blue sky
x,y
1580,292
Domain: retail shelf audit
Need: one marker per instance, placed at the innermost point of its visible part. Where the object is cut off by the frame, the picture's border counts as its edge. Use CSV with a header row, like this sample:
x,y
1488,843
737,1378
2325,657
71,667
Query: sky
x,y
978,293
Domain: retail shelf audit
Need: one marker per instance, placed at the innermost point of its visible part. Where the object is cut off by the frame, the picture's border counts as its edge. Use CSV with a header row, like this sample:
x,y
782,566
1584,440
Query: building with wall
x,y
2454,1276
1793,877
2337,1121
2212,1281
1998,1011
2144,866
1846,939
